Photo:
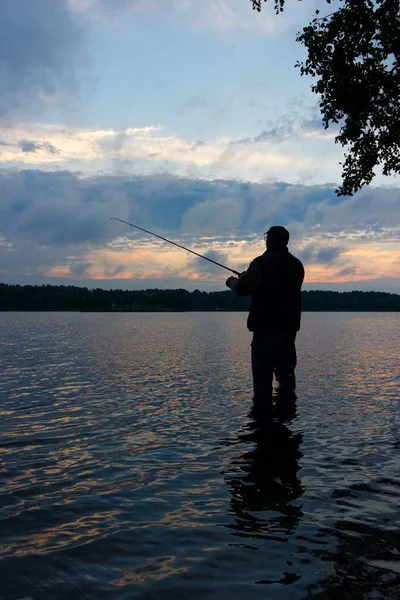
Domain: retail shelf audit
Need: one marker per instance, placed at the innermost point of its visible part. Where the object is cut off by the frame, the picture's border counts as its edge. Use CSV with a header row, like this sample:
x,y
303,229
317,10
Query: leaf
x,y
354,55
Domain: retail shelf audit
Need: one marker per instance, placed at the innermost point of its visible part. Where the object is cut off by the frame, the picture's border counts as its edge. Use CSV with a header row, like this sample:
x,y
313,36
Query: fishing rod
x,y
175,244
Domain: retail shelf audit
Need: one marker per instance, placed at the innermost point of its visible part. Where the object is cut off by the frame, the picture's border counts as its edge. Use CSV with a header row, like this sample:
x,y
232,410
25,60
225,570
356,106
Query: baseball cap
x,y
278,233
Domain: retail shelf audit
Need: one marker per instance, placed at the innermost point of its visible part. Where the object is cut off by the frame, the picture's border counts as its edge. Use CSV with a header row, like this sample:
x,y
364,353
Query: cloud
x,y
216,215
319,253
40,143
40,43
217,15
112,273
146,149
29,146
307,253
295,124
200,265
57,209
62,207
226,15
197,145
328,255
347,271
58,225
80,268
371,210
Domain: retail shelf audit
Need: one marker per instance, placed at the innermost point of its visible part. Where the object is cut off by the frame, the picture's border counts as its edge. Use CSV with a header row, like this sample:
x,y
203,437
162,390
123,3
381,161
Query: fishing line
x,y
175,244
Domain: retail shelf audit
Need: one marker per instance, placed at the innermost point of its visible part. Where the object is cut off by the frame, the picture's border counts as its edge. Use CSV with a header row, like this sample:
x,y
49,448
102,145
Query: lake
x,y
130,466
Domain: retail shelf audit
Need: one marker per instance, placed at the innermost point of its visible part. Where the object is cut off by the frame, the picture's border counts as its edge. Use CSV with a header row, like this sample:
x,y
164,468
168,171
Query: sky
x,y
185,117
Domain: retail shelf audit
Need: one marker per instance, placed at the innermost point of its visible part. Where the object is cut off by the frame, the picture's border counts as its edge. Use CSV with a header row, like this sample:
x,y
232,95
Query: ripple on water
x,y
131,467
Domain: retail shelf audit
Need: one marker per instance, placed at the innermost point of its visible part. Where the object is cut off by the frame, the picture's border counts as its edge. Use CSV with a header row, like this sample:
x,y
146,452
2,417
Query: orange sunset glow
x,y
159,262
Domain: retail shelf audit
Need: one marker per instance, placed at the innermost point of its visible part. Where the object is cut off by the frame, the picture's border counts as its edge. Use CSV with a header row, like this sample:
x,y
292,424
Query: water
x,y
131,468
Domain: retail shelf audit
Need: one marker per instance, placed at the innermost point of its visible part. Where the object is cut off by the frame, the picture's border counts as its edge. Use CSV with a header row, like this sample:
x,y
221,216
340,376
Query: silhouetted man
x,y
274,282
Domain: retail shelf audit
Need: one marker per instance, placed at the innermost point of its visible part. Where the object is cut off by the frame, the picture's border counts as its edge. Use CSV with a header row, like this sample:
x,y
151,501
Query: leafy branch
x,y
353,54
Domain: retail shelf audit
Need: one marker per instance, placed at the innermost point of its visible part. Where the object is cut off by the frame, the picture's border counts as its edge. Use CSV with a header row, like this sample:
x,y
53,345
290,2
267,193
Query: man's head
x,y
276,237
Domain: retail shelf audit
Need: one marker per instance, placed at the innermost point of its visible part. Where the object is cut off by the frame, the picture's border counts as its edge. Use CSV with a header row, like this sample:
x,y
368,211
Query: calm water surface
x,y
131,468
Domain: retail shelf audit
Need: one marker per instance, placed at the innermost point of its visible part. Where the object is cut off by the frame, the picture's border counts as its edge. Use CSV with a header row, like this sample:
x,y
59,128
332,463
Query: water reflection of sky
x,y
130,464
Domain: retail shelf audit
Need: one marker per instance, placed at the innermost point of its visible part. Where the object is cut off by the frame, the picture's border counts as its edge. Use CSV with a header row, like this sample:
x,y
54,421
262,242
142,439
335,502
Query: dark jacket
x,y
274,282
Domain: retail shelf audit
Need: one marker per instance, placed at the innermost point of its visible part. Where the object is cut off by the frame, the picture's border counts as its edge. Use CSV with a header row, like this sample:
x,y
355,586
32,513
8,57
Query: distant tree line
x,y
72,298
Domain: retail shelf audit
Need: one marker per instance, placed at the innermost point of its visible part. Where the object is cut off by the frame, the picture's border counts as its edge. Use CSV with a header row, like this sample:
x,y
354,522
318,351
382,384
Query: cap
x,y
278,233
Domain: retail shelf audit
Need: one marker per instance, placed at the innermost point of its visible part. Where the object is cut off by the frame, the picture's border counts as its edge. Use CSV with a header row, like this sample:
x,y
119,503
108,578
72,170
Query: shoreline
x,y
171,310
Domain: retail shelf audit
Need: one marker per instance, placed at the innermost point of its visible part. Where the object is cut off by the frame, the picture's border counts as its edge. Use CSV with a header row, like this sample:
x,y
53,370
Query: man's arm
x,y
248,281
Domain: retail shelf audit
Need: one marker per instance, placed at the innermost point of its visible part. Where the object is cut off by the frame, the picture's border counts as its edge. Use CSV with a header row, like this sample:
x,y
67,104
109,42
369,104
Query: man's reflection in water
x,y
263,481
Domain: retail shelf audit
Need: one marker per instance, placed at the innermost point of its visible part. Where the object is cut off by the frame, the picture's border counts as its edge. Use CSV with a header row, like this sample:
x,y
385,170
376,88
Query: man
x,y
274,282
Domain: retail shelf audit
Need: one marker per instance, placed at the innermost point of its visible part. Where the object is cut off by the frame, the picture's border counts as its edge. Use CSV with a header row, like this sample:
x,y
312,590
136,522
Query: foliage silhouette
x,y
73,298
354,54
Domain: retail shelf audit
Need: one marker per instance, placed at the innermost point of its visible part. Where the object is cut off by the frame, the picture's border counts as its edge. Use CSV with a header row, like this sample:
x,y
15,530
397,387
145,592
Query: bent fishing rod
x,y
175,244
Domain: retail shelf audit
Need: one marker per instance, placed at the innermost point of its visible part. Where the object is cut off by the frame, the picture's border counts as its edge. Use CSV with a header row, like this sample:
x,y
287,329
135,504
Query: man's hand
x,y
247,282
230,281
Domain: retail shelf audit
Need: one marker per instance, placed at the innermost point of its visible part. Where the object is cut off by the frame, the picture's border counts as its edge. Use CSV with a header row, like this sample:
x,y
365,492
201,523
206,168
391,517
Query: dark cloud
x,y
276,133
58,209
27,259
317,254
289,125
307,253
113,272
47,216
49,148
80,268
347,271
197,145
328,255
62,208
39,45
213,216
204,266
315,123
29,146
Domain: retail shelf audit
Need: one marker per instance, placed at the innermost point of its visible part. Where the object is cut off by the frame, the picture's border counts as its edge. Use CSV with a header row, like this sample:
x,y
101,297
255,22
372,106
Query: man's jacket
x,y
274,282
